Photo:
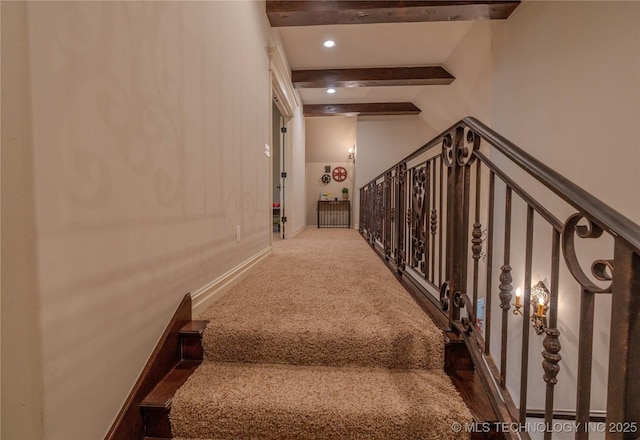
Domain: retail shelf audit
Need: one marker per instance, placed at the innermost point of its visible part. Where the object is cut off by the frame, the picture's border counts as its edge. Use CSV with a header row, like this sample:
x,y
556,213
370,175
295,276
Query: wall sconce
x,y
539,301
350,157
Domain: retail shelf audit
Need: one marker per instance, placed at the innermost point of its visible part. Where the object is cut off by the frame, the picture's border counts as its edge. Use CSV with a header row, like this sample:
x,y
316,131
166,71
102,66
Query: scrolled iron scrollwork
x,y
463,301
448,154
458,147
457,299
401,172
444,296
464,153
418,210
378,210
419,179
602,270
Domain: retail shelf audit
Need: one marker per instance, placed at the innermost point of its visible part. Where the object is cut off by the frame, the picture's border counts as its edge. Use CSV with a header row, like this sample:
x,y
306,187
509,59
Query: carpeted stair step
x,y
346,346
225,401
322,299
319,342
156,406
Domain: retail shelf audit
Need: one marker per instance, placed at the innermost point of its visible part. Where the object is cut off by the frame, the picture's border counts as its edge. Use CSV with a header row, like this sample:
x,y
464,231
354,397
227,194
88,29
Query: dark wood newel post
x,y
456,227
623,403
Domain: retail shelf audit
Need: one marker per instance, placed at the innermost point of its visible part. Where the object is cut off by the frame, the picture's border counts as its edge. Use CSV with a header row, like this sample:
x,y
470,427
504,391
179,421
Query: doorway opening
x,y
278,183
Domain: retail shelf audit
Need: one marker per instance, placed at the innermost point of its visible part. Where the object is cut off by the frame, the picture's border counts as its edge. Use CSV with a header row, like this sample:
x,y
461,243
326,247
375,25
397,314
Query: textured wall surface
x,y
137,148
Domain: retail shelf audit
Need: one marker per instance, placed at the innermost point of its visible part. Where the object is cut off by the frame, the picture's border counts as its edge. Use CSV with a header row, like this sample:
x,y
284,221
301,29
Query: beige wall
x,y
21,396
469,93
328,140
135,146
566,86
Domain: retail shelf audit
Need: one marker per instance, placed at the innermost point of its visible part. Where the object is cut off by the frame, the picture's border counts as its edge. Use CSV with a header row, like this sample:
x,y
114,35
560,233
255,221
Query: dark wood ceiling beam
x,y
371,77
362,109
313,13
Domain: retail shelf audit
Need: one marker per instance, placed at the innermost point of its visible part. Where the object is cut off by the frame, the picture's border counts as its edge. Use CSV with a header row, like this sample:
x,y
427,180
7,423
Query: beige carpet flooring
x,y
320,342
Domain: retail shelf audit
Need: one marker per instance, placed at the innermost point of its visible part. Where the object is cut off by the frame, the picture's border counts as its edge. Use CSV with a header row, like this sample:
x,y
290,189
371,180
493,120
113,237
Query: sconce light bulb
x,y
540,311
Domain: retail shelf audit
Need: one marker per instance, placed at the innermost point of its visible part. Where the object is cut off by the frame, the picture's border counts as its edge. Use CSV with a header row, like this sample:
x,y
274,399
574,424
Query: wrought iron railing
x,y
469,213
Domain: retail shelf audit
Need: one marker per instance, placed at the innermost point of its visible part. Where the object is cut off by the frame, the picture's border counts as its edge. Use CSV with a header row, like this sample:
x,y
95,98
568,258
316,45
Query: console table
x,y
334,214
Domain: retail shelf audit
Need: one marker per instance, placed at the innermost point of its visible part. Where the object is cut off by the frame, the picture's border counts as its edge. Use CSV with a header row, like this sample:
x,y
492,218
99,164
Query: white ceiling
x,y
370,45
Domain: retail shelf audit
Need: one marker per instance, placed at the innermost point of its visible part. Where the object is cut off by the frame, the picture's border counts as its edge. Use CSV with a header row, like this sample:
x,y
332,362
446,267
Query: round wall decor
x,y
339,174
326,178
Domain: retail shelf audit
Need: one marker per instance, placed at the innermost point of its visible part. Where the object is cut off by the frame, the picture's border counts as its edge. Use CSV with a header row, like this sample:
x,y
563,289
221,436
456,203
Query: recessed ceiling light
x,y
329,43
331,90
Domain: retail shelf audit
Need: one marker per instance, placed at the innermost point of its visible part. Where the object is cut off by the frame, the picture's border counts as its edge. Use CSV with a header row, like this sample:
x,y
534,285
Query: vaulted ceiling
x,y
385,52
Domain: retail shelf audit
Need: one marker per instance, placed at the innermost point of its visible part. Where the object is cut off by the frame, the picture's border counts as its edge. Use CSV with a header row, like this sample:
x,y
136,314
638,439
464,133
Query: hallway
x,y
321,341
137,167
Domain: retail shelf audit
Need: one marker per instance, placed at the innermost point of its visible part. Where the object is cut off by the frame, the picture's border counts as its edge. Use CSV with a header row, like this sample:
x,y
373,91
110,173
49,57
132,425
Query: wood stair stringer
x,y
156,406
168,355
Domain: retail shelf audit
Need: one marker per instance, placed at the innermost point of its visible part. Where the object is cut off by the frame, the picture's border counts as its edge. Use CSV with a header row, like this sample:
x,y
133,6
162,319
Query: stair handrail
x,y
611,220
401,210
614,222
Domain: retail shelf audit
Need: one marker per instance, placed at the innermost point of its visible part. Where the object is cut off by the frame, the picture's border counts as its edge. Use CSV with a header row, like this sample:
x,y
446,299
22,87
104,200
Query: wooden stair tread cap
x,y
194,328
452,338
163,392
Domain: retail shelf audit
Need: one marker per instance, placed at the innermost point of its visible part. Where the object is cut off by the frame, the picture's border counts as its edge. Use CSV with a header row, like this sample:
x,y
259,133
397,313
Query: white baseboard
x,y
216,289
299,230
